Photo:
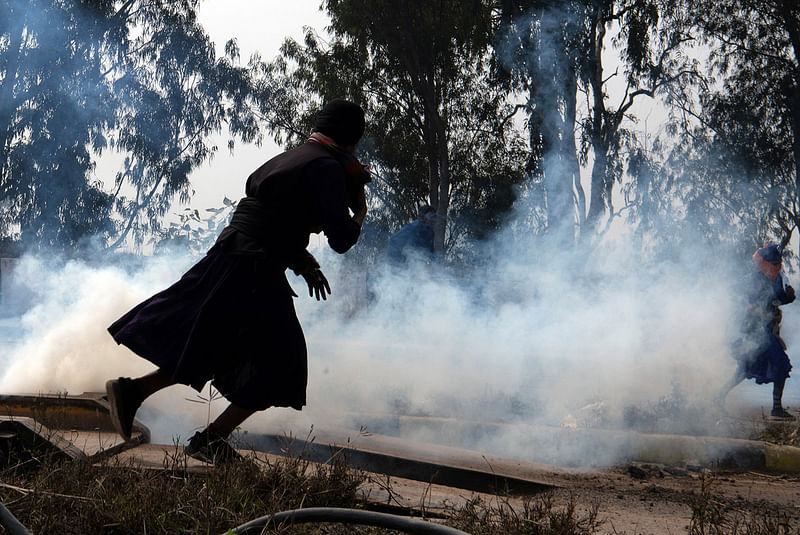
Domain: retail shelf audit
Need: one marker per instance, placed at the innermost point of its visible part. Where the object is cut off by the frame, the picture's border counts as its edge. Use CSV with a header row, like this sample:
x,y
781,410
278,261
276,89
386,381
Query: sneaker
x,y
212,448
125,400
782,414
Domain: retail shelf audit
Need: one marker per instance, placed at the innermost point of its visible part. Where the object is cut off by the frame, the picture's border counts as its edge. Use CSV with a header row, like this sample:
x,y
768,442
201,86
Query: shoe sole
x,y
197,454
202,456
114,393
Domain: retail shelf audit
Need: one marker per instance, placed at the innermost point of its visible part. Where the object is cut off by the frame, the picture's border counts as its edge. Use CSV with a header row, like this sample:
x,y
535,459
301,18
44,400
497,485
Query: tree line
x,y
473,106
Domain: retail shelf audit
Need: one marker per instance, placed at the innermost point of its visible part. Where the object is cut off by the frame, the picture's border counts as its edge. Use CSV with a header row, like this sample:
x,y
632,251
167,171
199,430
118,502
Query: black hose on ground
x,y
346,516
10,522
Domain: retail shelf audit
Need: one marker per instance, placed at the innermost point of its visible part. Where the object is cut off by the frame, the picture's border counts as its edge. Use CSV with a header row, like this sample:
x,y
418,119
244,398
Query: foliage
x,y
192,233
539,50
54,109
49,495
736,162
557,55
439,130
174,93
80,79
787,434
537,516
650,43
443,87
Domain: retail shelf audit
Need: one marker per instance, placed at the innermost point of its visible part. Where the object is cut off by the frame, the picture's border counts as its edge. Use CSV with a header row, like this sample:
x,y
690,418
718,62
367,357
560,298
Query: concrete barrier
x,y
600,448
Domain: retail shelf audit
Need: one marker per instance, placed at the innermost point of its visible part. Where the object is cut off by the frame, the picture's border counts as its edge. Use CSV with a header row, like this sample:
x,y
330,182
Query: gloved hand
x,y
790,291
317,284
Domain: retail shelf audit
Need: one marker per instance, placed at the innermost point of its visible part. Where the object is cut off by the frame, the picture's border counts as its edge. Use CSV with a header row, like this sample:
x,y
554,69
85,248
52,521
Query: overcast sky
x,y
257,25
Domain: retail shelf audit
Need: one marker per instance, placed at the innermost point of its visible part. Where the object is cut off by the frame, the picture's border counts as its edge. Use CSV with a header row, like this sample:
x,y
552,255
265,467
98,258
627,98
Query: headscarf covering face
x,y
768,260
341,120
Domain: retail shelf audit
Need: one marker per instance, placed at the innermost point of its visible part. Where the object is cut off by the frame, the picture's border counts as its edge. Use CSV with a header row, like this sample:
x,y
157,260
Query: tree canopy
x,y
81,78
440,131
501,107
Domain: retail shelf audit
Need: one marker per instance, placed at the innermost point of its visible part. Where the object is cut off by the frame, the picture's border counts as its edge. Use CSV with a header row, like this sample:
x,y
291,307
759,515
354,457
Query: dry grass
x,y
786,434
538,516
57,496
713,516
53,495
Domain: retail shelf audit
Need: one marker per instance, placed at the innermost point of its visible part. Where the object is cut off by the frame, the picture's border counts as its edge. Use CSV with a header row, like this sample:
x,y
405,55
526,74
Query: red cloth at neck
x,y
769,269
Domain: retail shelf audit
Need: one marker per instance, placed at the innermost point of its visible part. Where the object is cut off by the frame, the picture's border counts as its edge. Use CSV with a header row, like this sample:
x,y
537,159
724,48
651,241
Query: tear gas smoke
x,y
65,349
492,365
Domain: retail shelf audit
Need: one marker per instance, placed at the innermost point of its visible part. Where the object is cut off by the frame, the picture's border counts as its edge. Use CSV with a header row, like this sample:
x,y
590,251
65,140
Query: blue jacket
x,y
414,238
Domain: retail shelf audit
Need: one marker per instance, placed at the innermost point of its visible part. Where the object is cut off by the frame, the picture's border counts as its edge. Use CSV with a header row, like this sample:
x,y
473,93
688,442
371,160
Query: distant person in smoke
x,y
760,351
231,319
414,240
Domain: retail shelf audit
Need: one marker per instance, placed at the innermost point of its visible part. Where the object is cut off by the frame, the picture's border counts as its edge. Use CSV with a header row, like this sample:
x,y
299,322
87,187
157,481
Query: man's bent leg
x,y
230,419
152,382
125,396
777,405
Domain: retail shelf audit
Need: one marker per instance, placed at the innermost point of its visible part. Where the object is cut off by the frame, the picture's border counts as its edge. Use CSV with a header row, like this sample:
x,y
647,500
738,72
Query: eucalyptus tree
x,y
540,47
747,122
439,129
173,93
584,64
78,79
55,109
653,45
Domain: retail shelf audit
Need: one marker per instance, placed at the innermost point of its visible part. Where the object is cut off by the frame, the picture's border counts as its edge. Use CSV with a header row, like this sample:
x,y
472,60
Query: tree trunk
x,y
570,149
597,193
444,190
597,199
556,79
433,161
436,148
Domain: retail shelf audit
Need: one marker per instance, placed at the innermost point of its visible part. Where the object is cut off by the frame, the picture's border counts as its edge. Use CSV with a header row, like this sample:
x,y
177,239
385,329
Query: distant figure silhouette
x,y
760,351
414,239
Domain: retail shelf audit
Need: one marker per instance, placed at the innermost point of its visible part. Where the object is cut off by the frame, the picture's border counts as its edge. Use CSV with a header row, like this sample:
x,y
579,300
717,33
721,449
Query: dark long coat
x,y
762,355
231,318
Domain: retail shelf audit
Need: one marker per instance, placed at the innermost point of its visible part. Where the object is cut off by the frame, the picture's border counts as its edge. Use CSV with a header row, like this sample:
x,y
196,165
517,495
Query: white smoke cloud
x,y
537,345
532,345
66,347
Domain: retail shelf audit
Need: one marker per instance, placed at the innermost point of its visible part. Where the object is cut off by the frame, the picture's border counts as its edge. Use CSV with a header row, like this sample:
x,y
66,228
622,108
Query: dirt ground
x,y
632,500
643,499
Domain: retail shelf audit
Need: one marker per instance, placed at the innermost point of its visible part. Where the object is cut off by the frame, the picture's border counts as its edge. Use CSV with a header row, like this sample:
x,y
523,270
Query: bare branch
x,y
610,76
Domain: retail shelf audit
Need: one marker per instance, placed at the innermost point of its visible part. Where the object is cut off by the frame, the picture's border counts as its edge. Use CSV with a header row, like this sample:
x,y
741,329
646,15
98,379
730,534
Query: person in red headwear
x,y
760,351
231,319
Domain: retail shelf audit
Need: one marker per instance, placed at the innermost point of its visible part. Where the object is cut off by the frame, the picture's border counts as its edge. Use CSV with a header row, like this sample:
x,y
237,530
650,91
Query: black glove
x,y
317,284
